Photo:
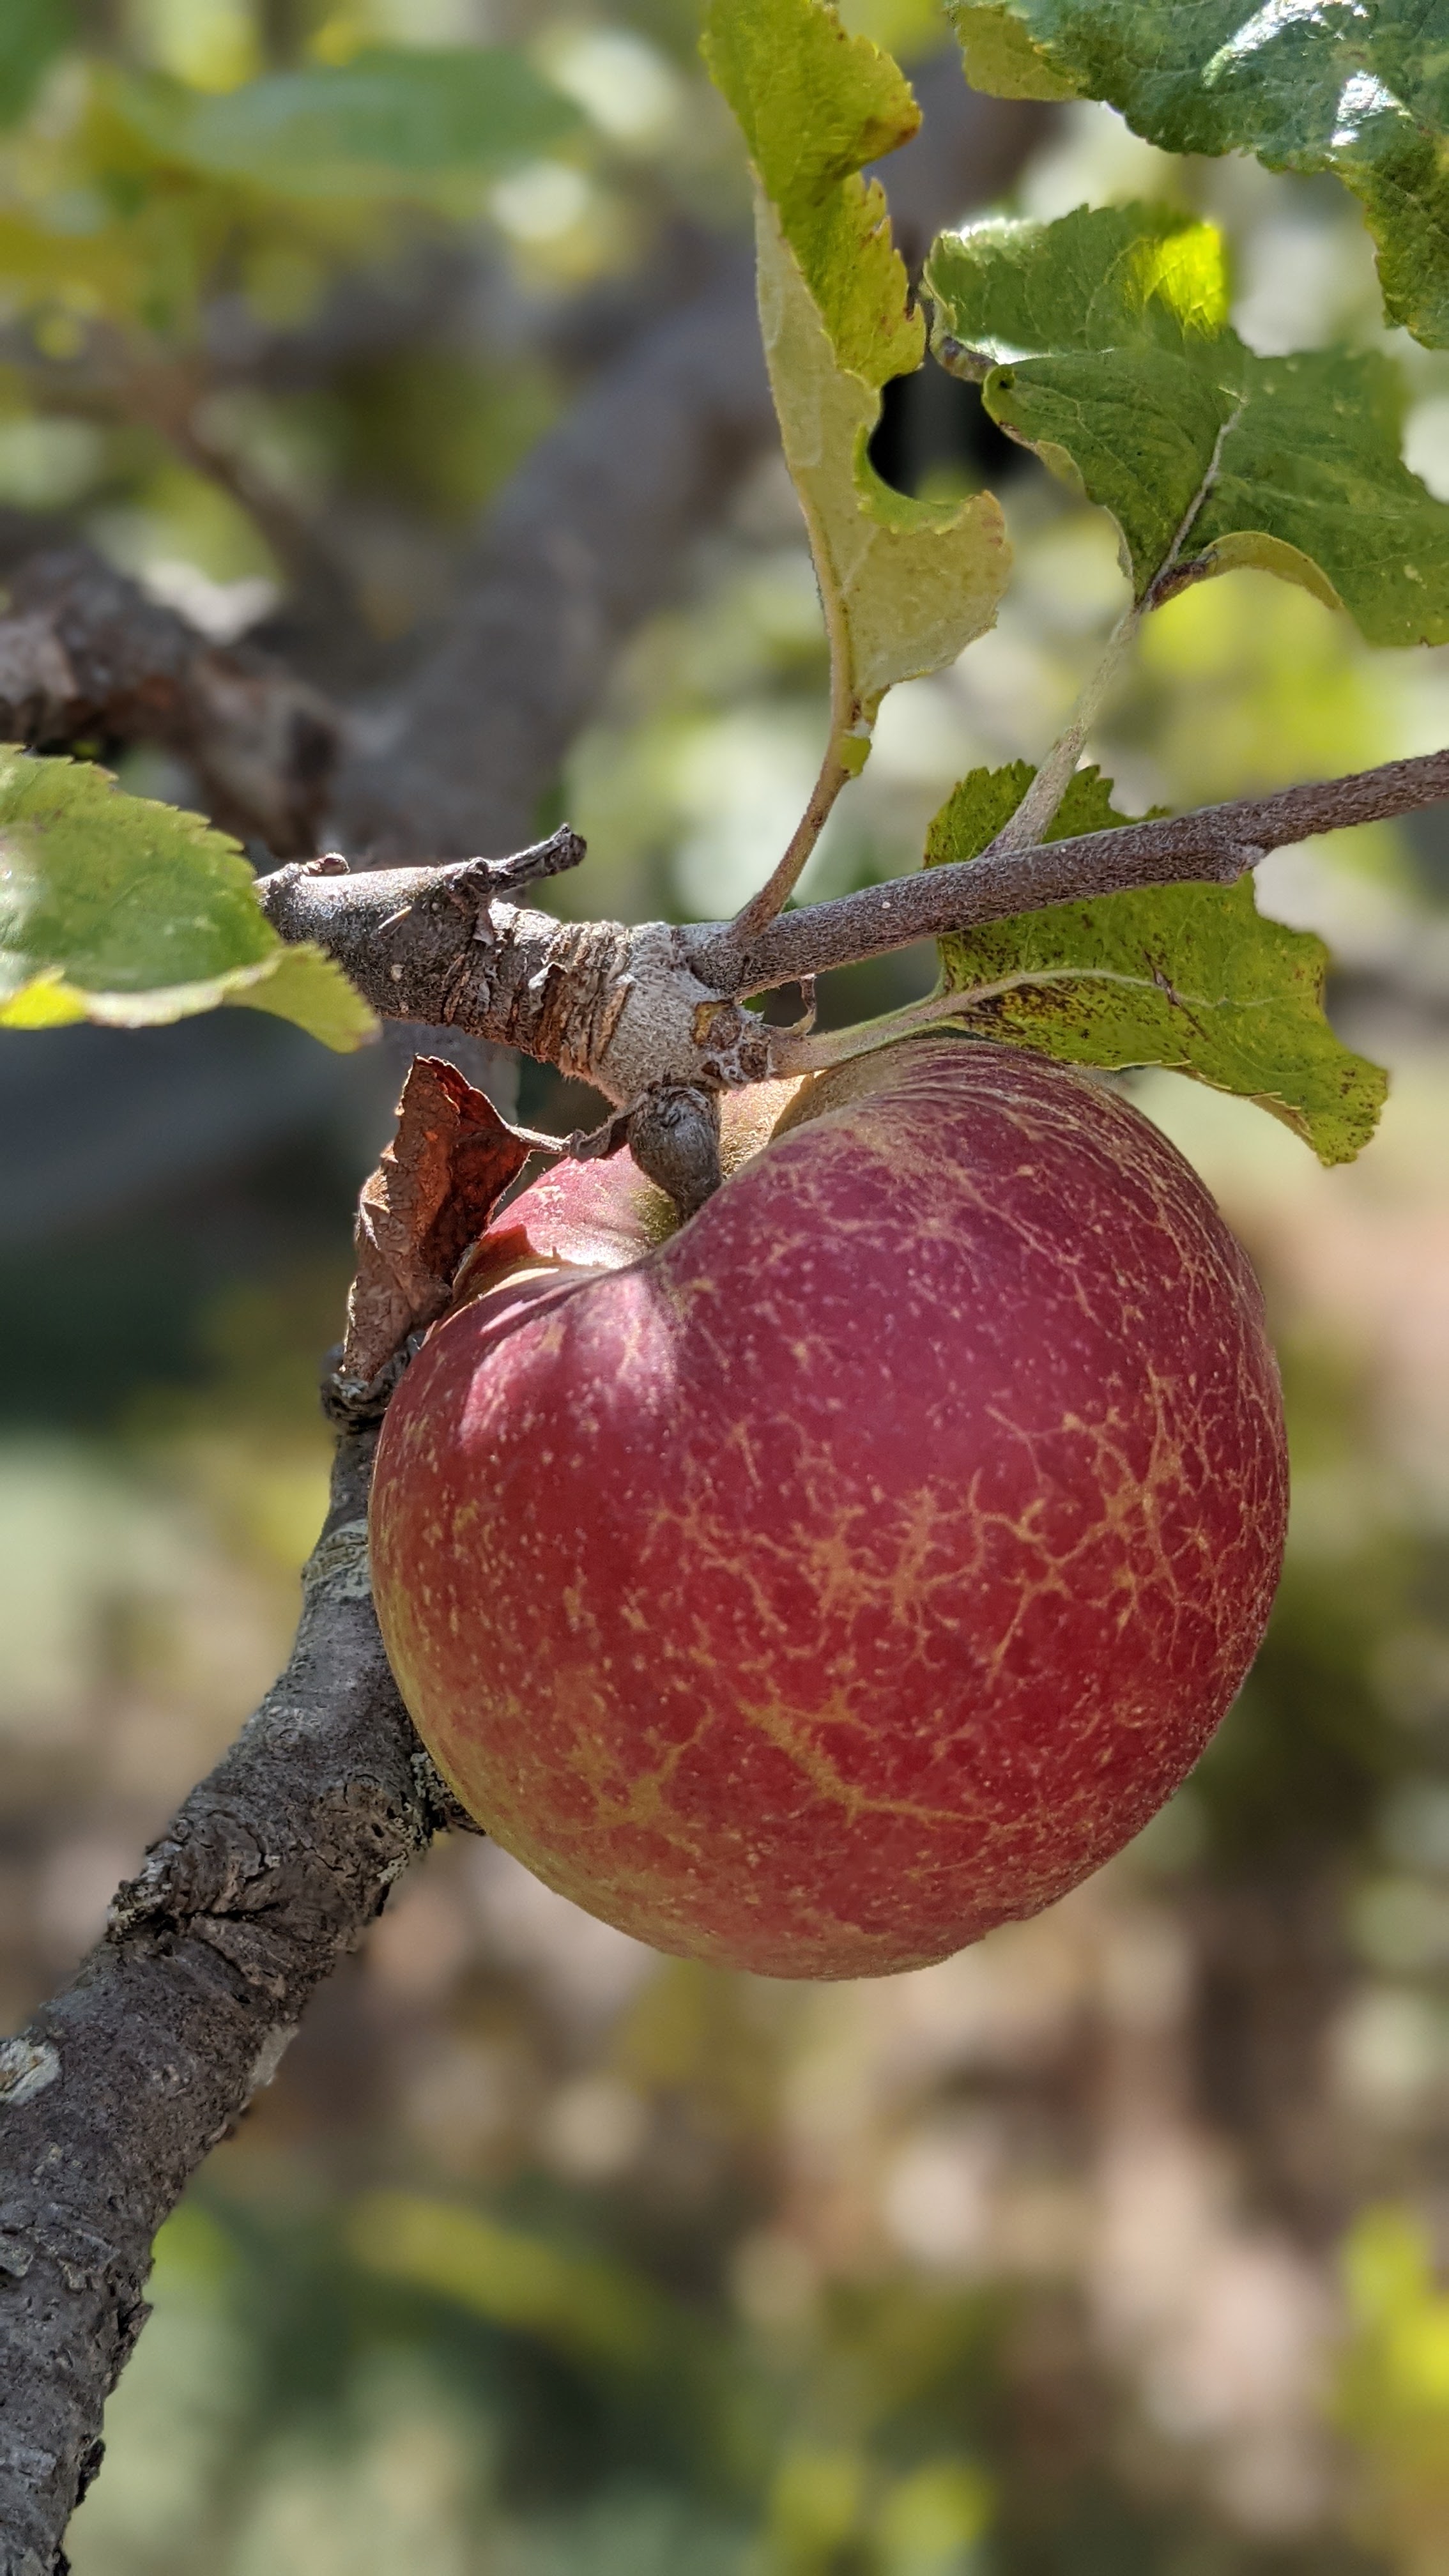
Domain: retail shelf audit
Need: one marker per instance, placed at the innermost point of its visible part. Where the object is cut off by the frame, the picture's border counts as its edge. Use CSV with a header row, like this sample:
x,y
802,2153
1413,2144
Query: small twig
x,y
564,849
1213,845
631,1008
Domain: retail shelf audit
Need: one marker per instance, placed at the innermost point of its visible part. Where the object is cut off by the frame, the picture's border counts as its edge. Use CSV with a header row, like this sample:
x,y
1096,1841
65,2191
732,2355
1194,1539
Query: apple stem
x,y
674,1138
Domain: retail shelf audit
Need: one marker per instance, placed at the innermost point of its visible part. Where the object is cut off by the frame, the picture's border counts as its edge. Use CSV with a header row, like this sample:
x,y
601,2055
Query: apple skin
x,y
865,1563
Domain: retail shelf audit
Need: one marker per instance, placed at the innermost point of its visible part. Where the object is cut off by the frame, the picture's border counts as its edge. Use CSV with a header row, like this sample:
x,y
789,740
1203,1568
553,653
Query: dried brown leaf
x,y
431,1196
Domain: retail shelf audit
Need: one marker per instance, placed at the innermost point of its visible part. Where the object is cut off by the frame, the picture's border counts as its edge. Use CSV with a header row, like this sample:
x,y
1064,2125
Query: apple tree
x,y
828,1510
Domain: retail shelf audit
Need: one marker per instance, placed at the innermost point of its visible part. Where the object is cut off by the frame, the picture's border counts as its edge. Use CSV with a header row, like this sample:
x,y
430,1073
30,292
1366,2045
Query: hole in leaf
x,y
934,431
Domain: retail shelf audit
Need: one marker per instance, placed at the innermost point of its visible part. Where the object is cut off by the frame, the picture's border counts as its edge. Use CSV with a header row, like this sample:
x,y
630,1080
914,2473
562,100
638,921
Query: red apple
x,y
856,1568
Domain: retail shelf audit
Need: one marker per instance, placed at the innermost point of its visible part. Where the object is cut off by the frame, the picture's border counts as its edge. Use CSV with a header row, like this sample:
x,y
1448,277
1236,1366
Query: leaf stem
x,y
1034,814
793,1051
775,893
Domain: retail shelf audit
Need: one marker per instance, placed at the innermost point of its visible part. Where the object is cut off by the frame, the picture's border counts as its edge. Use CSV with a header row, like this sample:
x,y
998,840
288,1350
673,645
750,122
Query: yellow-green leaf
x,y
814,106
905,584
133,914
1189,976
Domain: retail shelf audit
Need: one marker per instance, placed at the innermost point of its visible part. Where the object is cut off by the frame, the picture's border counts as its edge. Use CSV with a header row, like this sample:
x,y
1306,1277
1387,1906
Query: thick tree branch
x,y
633,1009
111,2098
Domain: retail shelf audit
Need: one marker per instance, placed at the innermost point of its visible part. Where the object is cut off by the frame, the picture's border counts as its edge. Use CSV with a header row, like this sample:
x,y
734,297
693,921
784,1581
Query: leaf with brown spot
x,y
431,1196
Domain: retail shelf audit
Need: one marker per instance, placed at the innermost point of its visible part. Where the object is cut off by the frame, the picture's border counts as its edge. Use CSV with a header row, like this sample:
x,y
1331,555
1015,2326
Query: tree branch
x,y
633,1009
84,652
1212,845
111,2098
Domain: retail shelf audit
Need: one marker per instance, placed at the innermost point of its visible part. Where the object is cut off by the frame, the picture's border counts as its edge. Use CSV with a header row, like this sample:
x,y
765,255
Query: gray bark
x,y
84,652
620,1004
120,2086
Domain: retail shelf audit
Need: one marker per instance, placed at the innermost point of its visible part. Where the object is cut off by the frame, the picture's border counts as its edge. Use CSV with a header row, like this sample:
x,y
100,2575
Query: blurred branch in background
x,y
595,531
87,658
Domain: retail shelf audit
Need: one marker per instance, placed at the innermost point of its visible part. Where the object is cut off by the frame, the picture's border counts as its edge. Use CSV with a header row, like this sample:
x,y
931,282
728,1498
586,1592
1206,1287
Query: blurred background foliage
x,y
1112,2245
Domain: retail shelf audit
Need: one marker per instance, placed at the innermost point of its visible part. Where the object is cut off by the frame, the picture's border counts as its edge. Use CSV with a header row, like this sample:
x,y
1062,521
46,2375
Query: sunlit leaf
x,y
391,122
1189,976
1393,2391
1359,87
906,584
1104,343
133,914
814,106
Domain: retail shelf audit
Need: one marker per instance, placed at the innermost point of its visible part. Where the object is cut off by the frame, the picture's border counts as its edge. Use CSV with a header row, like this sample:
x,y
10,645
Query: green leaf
x,y
1358,87
1104,344
32,33
980,803
1188,976
390,123
905,584
814,106
130,913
